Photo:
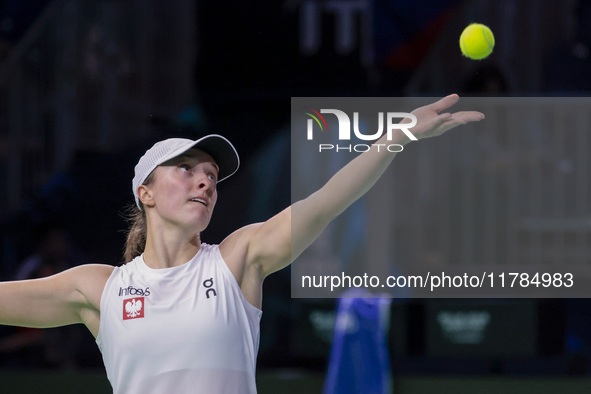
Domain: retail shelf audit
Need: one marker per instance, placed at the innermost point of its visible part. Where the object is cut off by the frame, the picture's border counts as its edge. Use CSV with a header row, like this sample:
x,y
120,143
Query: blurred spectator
x,y
105,57
109,79
51,257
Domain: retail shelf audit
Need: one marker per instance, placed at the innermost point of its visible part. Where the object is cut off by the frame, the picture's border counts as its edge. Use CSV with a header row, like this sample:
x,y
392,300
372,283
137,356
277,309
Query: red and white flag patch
x,y
133,308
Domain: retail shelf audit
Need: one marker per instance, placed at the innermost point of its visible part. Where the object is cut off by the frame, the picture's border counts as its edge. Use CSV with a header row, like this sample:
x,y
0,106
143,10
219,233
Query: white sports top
x,y
185,329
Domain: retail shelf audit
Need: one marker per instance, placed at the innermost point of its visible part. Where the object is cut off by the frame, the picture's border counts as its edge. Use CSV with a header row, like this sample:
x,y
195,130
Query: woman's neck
x,y
167,249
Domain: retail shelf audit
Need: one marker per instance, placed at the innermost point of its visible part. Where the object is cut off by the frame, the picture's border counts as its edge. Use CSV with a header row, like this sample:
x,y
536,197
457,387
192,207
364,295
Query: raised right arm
x,y
57,300
275,243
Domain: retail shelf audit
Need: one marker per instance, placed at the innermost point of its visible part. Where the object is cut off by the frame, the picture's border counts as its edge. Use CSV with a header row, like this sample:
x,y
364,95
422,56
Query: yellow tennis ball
x,y
477,41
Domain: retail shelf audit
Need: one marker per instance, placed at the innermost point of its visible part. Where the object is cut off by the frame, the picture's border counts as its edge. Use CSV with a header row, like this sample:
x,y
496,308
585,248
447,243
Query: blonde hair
x,y
138,228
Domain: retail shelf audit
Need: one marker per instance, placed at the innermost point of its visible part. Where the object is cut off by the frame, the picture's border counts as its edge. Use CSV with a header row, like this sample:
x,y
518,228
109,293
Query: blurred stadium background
x,y
86,86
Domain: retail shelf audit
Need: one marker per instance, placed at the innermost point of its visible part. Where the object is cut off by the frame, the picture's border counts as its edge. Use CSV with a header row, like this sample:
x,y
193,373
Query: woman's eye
x,y
185,167
212,177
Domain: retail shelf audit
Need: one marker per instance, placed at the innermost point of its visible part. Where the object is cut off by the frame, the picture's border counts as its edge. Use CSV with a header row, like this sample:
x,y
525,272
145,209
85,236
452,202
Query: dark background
x,y
87,86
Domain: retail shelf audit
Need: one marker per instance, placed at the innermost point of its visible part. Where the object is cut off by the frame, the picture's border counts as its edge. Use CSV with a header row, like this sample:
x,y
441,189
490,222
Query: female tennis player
x,y
182,316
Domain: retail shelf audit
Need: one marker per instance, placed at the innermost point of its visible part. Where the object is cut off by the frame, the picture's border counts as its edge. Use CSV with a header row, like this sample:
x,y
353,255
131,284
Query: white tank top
x,y
185,329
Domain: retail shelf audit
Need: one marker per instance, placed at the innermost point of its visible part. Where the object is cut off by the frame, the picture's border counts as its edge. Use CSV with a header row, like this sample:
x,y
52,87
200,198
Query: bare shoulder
x,y
254,251
260,248
90,280
235,250
100,270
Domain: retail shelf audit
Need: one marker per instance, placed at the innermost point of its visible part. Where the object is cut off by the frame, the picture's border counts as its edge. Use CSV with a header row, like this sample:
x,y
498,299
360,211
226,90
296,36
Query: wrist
x,y
398,138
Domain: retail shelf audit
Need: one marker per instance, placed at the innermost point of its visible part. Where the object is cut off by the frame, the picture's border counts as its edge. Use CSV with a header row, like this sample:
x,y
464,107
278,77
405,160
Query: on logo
x,y
133,308
208,283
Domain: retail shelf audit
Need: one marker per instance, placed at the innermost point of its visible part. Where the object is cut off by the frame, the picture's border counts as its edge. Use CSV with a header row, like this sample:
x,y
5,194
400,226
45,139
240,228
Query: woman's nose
x,y
205,183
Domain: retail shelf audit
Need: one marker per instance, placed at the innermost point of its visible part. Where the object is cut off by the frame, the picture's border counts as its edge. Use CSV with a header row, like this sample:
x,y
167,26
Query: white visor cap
x,y
218,147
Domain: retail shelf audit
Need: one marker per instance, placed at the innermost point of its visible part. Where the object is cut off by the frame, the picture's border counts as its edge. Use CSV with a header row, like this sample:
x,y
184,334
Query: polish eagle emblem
x,y
133,308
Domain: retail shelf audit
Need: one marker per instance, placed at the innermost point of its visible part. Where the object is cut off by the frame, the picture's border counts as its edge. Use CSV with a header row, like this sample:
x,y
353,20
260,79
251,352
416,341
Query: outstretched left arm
x,y
272,245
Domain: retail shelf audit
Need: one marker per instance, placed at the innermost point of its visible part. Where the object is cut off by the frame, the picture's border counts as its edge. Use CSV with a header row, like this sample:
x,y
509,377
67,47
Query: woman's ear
x,y
145,195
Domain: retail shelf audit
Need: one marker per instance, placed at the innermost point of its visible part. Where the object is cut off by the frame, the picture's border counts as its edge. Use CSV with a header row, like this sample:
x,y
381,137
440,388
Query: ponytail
x,y
138,228
136,235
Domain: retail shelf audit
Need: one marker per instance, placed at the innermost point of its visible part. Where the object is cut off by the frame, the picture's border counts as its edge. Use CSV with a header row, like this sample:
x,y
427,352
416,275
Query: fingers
x,y
445,102
433,123
457,119
440,119
464,117
443,117
440,122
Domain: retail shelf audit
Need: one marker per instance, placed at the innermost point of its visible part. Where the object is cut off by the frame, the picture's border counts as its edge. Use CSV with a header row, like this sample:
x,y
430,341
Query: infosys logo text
x,y
127,291
345,129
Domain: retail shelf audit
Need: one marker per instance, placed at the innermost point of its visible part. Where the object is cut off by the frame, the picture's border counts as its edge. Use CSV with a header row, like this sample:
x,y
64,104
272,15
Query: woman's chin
x,y
197,223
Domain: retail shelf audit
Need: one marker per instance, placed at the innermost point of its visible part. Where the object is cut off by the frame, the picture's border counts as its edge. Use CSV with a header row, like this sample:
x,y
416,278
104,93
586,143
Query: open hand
x,y
430,123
